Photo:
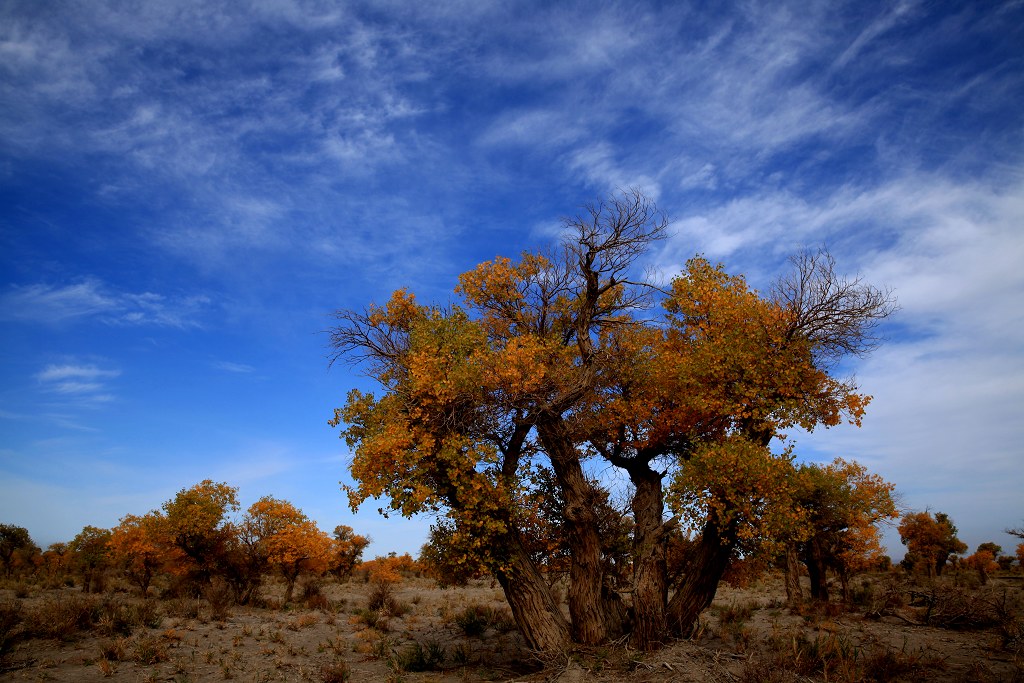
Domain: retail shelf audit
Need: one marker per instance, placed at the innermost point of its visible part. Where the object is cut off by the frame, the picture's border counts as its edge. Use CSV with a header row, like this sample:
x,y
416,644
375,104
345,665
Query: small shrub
x,y
219,596
886,664
371,619
11,615
335,672
475,619
381,648
735,614
460,654
472,620
182,608
114,650
150,650
302,622
106,668
115,619
63,617
313,596
147,614
382,598
419,657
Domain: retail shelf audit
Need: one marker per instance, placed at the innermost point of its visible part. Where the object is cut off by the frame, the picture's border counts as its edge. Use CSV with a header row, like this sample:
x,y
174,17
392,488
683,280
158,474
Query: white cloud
x,y
54,304
53,373
598,165
875,29
77,386
239,368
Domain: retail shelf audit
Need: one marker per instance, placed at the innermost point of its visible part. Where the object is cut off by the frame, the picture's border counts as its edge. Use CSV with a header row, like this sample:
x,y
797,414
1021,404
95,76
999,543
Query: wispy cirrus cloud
x,y
91,298
238,368
84,385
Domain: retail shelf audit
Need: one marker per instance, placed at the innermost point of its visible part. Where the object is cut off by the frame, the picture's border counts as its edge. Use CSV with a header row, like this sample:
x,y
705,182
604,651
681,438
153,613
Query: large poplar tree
x,y
557,360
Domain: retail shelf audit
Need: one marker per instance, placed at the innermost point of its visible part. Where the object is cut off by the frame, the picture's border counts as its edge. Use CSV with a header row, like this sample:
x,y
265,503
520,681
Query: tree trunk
x,y
586,577
794,594
290,579
705,568
844,581
534,608
816,571
650,584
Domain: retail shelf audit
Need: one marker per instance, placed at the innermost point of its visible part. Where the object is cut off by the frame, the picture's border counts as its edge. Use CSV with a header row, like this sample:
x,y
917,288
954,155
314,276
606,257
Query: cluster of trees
x,y
554,378
196,538
932,545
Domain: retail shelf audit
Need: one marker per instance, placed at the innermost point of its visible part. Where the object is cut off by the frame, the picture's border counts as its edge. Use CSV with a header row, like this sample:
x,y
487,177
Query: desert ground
x,y
894,629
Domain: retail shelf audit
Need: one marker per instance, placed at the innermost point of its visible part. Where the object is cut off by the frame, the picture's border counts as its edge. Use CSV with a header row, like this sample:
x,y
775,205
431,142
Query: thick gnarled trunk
x,y
586,595
650,583
697,589
533,606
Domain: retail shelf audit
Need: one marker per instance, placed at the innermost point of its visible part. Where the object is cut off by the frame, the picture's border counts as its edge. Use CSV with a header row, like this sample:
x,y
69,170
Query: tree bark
x,y
794,594
697,589
586,577
816,570
650,583
534,608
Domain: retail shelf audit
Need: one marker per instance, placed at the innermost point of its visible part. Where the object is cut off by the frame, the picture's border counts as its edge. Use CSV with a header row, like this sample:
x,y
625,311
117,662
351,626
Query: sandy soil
x,y
466,635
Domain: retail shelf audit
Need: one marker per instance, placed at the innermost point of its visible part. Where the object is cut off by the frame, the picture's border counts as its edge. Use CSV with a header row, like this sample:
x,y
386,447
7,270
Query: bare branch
x,y
361,338
605,244
836,314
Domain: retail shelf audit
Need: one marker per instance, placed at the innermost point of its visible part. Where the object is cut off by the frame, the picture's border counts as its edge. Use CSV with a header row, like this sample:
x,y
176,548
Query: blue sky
x,y
188,189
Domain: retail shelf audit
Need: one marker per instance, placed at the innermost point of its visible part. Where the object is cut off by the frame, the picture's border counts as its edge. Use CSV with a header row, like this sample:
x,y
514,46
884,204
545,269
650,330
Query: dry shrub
x,y
370,618
302,622
182,608
150,650
116,618
335,672
62,617
220,598
735,613
106,668
382,599
115,649
313,596
793,657
428,656
11,616
476,618
885,664
955,607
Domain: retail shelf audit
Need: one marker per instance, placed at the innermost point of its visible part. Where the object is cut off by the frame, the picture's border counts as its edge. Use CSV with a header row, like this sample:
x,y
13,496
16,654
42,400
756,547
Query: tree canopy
x,y
557,360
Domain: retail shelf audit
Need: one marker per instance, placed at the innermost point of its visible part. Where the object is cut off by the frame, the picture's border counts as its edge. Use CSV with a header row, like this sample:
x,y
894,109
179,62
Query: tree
x,y
141,546
346,551
274,535
842,505
929,540
983,562
56,559
990,547
12,539
197,524
91,553
551,363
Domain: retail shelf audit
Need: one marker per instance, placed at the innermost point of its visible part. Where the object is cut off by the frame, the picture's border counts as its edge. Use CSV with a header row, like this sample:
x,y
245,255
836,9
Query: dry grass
x,y
413,631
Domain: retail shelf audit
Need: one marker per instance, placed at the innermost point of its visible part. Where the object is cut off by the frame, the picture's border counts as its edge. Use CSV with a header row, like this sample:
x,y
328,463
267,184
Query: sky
x,y
189,189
